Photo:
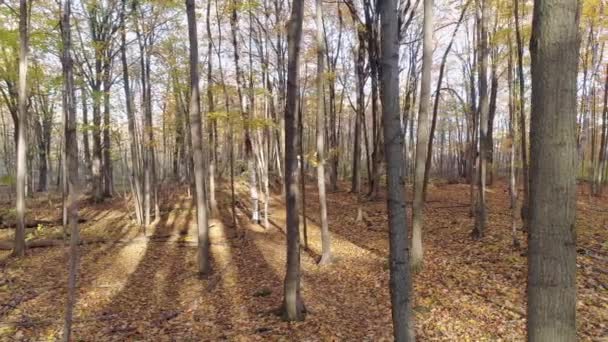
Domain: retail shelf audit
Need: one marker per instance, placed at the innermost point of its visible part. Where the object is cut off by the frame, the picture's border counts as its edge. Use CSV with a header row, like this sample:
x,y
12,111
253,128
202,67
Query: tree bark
x,y
21,139
325,237
422,137
108,179
603,140
85,133
480,211
213,139
400,282
255,215
134,146
522,117
554,49
513,147
293,304
71,147
197,146
444,59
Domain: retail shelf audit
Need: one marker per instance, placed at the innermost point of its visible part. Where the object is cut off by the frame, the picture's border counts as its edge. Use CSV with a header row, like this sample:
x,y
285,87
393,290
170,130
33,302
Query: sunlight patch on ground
x,y
112,279
341,247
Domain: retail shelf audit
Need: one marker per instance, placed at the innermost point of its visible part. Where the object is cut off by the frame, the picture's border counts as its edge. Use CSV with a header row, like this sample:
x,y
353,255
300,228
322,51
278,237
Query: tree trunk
x,y
42,156
423,137
71,147
325,237
359,115
522,116
197,146
444,59
400,282
108,181
255,216
21,139
96,166
227,109
212,122
513,147
480,212
603,140
293,304
302,163
552,267
491,116
134,148
85,134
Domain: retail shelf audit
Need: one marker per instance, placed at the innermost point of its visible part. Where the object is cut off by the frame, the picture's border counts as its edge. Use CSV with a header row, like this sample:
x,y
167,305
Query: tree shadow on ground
x,y
38,286
146,299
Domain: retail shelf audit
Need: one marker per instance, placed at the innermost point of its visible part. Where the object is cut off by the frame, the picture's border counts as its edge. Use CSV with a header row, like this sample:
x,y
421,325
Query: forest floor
x,y
136,287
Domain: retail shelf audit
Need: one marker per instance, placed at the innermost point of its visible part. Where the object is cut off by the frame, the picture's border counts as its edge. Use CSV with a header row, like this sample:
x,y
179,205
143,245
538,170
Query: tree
x,y
400,282
423,136
293,304
513,147
197,145
255,215
522,115
71,161
325,238
484,107
136,178
554,49
212,125
19,249
444,58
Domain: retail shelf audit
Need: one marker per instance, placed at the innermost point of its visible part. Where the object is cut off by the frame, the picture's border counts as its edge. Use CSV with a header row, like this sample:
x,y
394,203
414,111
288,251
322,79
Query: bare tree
x,y
212,125
444,58
484,107
293,304
197,145
19,248
423,136
325,238
136,178
400,282
522,115
71,161
255,215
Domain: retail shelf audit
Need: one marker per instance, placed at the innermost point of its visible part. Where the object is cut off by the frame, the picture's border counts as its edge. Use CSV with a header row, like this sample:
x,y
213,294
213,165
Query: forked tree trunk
x,y
293,305
400,282
423,137
552,267
429,152
197,146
